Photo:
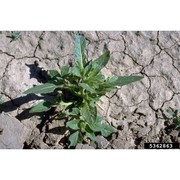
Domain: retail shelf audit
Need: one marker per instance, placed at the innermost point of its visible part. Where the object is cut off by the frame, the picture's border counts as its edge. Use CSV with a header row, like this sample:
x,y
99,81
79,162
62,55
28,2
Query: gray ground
x,y
138,110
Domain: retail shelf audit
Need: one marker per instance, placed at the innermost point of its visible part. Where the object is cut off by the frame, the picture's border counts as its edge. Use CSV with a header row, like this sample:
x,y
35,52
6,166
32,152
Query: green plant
x,y
77,90
175,115
14,35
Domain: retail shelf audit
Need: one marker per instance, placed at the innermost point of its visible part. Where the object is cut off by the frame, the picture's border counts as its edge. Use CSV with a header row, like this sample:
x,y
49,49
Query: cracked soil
x,y
137,110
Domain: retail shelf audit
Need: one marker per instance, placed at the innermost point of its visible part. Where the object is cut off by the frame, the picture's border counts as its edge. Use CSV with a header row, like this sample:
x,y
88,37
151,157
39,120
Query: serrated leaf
x,y
80,46
107,130
41,107
87,87
73,124
42,89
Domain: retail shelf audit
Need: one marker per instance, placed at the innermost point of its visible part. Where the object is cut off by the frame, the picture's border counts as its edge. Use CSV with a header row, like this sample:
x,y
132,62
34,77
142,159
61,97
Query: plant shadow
x,y
37,72
13,104
57,130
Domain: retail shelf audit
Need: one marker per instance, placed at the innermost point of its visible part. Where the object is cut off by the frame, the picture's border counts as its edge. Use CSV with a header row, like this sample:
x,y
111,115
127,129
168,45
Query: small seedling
x,y
14,35
77,90
175,115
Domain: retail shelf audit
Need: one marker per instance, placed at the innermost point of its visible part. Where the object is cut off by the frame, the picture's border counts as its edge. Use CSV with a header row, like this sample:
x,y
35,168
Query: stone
x,y
52,139
118,144
34,133
13,133
143,131
102,143
174,133
83,146
38,142
166,139
58,147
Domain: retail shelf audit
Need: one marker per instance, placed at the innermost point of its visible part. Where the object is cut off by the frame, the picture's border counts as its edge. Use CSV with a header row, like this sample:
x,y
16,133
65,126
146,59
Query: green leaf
x,y
107,130
91,136
42,89
92,103
65,104
76,71
98,64
96,126
82,126
99,77
90,133
99,118
73,124
53,73
177,126
80,46
74,112
15,35
75,138
89,114
122,80
103,59
65,70
87,87
171,112
41,107
96,69
88,68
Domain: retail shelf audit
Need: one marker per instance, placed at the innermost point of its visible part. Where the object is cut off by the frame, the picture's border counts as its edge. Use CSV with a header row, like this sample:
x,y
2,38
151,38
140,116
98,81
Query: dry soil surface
x,y
137,110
